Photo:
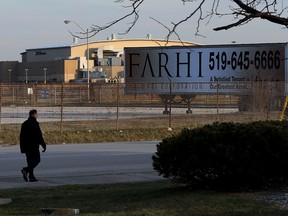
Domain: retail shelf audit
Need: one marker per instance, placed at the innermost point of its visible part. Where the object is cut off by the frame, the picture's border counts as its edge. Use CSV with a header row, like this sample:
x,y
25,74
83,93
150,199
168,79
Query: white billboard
x,y
202,69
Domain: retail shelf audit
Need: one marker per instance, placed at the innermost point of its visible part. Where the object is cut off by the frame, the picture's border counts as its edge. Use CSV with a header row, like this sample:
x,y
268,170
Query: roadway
x,y
96,163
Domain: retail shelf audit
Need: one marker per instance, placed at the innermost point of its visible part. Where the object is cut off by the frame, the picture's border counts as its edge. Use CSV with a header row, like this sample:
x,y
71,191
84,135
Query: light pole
x,y
86,32
26,75
45,69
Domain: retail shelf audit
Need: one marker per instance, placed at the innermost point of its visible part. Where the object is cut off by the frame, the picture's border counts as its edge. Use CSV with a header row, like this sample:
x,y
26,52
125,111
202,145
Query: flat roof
x,y
103,41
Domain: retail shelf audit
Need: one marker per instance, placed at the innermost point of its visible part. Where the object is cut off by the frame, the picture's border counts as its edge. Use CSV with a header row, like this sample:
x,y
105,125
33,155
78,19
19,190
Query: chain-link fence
x,y
111,107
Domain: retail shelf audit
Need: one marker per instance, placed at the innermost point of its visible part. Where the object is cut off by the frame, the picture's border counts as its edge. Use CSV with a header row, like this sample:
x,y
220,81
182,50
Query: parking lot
x,y
16,115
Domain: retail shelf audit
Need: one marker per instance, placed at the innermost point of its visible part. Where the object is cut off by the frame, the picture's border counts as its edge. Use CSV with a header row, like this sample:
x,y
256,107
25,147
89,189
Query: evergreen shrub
x,y
226,155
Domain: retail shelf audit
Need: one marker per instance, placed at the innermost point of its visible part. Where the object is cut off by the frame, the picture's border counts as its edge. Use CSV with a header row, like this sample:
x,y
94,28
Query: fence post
x,y
1,107
118,95
80,93
55,95
268,98
13,92
61,112
36,93
217,101
170,105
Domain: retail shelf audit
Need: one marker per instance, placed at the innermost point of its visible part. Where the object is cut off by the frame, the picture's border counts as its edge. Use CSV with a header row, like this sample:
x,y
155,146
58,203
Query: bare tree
x,y
240,11
274,11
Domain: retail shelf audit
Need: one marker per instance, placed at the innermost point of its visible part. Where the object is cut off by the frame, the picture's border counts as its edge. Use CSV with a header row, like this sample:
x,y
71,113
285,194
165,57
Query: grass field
x,y
110,130
161,198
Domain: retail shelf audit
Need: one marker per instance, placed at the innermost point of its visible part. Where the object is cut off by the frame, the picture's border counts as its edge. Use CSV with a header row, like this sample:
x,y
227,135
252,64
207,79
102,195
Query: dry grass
x,y
133,129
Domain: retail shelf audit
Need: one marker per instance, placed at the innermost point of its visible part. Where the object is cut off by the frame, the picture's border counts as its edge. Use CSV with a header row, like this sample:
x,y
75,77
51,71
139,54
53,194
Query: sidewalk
x,y
5,201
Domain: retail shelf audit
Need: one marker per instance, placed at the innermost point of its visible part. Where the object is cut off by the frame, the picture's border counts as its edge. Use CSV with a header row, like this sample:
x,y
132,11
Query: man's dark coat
x,y
31,136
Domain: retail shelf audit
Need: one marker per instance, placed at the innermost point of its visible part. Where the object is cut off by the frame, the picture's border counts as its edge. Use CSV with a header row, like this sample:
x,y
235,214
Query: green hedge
x,y
226,155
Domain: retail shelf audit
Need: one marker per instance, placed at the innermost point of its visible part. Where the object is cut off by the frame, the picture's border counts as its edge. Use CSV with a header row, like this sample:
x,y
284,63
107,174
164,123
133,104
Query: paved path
x,y
96,163
4,201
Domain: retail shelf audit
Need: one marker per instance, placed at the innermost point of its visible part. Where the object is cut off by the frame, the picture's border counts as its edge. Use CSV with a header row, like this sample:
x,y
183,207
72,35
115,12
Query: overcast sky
x,y
29,24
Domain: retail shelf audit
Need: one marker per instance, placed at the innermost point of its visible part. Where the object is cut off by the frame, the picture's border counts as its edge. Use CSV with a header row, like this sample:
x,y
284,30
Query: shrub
x,y
226,155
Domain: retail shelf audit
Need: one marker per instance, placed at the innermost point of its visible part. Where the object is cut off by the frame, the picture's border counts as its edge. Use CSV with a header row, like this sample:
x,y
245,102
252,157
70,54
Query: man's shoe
x,y
25,175
33,180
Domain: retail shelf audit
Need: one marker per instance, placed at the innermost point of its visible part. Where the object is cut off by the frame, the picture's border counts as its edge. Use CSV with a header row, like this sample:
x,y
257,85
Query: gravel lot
x,y
16,115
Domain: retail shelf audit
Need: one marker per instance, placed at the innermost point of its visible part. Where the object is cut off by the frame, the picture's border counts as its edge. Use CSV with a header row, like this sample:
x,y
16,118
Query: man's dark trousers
x,y
33,159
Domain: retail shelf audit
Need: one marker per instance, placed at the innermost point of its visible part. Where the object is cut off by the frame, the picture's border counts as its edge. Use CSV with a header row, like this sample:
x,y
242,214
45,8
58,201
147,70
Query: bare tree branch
x,y
134,12
250,13
245,19
241,11
175,25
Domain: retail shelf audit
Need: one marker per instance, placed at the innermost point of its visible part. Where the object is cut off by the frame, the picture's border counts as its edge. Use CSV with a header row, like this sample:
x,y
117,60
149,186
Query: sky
x,y
40,23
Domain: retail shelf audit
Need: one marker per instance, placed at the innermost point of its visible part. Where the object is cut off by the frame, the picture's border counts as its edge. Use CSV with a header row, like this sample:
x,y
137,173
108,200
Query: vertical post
x,y
283,109
88,75
30,93
118,95
13,92
1,107
26,75
45,71
170,105
36,93
268,98
100,93
61,111
55,95
80,92
217,101
9,75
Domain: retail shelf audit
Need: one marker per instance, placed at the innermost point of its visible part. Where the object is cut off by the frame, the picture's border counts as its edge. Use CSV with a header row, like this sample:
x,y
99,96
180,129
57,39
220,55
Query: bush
x,y
226,155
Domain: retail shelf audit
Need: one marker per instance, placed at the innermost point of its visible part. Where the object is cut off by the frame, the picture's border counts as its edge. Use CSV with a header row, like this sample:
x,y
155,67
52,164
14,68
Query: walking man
x,y
30,140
